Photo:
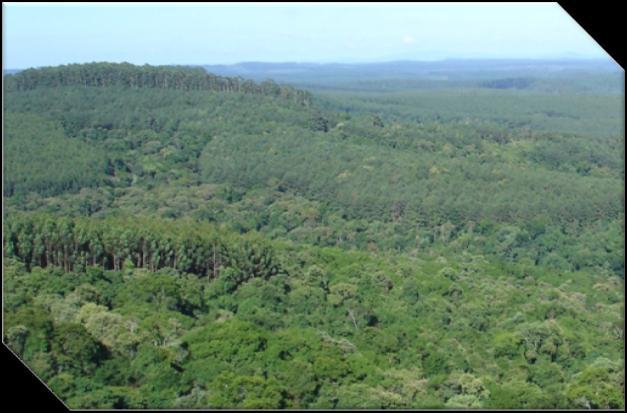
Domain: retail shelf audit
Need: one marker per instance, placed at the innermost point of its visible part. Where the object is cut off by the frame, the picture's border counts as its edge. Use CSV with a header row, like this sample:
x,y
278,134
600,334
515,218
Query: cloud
x,y
407,39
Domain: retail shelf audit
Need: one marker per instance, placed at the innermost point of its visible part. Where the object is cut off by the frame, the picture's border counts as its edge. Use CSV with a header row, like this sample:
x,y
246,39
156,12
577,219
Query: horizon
x,y
217,34
247,62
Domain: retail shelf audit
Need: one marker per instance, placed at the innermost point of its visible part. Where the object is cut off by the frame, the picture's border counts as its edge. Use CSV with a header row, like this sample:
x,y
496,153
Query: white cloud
x,y
407,39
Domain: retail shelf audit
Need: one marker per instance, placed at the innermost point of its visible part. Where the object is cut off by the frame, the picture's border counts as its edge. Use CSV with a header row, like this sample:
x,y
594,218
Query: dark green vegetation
x,y
150,77
189,245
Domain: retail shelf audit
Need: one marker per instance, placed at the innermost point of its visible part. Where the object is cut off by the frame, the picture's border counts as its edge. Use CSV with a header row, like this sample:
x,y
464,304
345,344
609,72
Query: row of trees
x,y
131,76
113,244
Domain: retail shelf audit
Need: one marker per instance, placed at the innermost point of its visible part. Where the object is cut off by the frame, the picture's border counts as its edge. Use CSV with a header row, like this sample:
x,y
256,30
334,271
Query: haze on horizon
x,y
45,35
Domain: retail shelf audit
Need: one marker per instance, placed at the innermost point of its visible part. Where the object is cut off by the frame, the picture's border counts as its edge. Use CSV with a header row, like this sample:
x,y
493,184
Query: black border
x,y
604,22
22,391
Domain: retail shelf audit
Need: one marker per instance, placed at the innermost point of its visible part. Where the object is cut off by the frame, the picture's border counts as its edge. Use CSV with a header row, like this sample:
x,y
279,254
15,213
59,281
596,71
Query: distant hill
x,y
130,76
398,75
416,67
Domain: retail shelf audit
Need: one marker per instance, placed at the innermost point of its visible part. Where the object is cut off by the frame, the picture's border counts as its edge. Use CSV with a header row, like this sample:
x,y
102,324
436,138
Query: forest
x,y
174,238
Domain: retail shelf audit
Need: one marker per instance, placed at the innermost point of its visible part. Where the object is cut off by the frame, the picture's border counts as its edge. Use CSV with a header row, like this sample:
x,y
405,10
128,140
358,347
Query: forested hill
x,y
358,180
161,77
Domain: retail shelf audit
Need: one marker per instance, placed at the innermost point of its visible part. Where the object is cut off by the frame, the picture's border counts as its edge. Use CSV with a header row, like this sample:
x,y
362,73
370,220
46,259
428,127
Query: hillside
x,y
140,77
172,235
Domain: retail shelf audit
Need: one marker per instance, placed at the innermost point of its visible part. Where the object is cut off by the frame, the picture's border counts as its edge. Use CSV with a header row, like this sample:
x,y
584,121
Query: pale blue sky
x,y
42,35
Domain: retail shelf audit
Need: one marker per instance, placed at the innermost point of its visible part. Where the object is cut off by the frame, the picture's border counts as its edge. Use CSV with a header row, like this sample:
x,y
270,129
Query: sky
x,y
44,34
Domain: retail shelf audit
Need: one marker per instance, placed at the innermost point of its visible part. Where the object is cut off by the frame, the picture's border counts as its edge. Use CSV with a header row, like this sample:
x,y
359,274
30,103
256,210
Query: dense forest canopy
x,y
138,77
177,239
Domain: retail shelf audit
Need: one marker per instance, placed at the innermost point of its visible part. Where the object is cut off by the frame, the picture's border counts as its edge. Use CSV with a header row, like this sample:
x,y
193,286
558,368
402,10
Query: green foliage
x,y
598,386
77,351
138,77
171,340
174,239
40,157
41,240
520,395
246,392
